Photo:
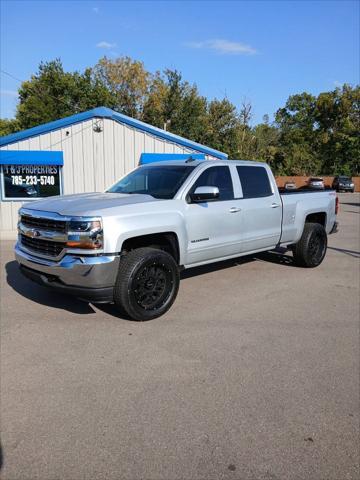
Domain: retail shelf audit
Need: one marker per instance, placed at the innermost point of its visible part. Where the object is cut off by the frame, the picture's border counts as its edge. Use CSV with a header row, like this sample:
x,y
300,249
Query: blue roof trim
x,y
103,112
30,157
162,157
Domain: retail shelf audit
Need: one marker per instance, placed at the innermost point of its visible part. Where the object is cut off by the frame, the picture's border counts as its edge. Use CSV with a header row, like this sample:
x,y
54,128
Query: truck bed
x,y
299,204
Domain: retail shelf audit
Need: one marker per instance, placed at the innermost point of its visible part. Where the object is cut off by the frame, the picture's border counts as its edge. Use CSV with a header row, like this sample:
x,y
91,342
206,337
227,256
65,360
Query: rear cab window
x,y
254,181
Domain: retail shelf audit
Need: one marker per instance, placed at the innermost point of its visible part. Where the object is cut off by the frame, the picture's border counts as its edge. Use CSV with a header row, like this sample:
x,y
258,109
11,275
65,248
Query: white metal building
x,y
82,153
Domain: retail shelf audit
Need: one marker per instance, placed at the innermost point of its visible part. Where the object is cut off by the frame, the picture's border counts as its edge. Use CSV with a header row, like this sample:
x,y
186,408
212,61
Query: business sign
x,y
26,181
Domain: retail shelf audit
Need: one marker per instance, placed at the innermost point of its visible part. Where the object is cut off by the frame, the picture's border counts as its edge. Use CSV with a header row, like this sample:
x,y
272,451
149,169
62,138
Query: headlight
x,y
85,233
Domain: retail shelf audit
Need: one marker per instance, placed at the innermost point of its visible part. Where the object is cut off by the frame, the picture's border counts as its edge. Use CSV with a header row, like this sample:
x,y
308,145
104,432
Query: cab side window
x,y
216,177
254,182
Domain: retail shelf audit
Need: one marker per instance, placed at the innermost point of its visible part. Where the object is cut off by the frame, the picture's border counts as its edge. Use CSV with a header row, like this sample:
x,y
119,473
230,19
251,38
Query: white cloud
x,y
9,93
224,47
96,10
104,44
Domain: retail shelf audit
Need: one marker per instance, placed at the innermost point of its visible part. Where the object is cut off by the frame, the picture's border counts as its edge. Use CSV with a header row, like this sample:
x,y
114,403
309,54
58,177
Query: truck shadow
x,y
352,204
352,253
45,296
277,257
42,295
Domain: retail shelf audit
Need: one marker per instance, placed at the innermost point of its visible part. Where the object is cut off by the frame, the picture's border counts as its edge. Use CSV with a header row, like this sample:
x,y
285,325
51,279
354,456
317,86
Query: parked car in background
x,y
316,183
290,185
343,183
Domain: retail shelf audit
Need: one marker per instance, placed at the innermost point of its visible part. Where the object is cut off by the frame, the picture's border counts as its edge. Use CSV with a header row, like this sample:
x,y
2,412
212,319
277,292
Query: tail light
x,y
336,205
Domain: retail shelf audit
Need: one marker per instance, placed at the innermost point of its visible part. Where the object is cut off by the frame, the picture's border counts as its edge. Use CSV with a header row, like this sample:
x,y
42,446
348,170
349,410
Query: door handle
x,y
235,209
275,205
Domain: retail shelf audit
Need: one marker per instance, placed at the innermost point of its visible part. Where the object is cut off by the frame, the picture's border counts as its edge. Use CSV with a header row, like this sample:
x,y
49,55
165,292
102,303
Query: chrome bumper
x,y
85,272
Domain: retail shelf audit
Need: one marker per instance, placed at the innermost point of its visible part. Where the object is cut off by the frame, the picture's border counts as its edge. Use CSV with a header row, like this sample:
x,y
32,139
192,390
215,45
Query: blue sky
x,y
263,51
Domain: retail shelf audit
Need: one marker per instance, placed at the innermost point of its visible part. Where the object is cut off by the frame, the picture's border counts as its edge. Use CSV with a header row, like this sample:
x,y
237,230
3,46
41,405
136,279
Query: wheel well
x,y
319,217
167,241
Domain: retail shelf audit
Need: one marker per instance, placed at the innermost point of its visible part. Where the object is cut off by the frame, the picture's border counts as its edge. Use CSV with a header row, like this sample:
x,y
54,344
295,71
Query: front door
x,y
213,227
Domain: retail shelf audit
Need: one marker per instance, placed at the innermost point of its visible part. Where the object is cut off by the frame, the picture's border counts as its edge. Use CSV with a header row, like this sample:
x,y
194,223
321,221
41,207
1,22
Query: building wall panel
x,y
88,156
68,171
109,153
78,158
98,143
119,150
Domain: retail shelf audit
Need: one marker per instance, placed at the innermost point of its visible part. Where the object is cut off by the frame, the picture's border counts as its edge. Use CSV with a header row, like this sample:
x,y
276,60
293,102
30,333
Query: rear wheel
x,y
147,283
310,250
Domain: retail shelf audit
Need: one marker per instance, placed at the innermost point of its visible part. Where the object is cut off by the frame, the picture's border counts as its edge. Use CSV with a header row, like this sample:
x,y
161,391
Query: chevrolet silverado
x,y
127,245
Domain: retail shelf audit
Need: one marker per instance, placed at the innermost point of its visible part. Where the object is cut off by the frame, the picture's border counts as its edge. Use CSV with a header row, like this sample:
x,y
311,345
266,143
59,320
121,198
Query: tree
x,y
311,134
337,115
176,104
8,126
51,94
267,143
154,107
223,127
319,135
127,81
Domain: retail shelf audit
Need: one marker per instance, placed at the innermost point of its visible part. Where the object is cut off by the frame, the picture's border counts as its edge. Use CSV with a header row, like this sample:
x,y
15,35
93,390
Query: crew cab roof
x,y
195,163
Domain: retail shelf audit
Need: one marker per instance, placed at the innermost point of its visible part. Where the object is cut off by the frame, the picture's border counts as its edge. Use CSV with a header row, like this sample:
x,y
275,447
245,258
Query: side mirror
x,y
204,194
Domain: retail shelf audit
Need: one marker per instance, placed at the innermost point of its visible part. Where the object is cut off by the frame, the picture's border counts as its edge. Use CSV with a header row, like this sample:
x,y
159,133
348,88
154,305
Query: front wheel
x,y
147,283
310,250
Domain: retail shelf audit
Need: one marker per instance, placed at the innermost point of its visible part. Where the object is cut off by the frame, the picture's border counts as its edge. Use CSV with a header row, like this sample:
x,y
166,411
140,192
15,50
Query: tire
x,y
310,250
147,283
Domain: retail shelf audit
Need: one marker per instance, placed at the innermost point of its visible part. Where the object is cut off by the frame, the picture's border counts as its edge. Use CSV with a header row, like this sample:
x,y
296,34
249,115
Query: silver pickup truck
x,y
128,245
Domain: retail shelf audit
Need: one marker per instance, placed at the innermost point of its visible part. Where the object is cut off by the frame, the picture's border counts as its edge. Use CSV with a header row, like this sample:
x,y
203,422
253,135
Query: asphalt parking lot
x,y
252,375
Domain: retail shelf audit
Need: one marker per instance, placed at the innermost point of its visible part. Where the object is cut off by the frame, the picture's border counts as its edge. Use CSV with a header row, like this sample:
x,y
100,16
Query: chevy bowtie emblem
x,y
32,233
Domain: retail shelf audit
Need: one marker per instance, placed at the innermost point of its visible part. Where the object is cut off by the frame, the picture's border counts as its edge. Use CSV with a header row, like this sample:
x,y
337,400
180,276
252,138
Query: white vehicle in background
x,y
128,245
316,183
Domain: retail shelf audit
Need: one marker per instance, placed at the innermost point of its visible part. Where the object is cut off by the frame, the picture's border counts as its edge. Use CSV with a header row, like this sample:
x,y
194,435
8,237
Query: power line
x,y
57,99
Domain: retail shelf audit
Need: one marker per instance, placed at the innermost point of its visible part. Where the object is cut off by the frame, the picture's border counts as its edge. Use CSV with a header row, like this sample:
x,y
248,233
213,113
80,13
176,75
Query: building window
x,y
29,175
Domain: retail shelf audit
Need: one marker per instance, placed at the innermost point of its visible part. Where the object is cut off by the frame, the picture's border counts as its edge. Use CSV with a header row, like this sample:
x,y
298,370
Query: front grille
x,y
44,247
44,223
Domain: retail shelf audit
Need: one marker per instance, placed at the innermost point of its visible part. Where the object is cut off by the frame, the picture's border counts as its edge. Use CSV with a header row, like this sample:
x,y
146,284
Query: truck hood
x,y
85,204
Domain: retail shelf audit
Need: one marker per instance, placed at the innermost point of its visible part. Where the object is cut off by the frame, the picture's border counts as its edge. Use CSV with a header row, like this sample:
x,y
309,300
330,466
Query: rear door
x,y
261,212
213,228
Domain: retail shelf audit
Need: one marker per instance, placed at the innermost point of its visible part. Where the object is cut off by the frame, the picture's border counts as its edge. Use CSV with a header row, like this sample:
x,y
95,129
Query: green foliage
x,y
51,94
311,135
126,81
222,127
8,126
321,134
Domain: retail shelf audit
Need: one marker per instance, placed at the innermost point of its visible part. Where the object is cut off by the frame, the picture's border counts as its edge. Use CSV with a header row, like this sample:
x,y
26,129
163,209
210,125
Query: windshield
x,y
158,181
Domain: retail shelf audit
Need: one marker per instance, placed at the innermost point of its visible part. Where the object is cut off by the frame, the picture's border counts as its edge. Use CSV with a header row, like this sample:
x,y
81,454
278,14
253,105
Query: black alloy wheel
x,y
311,249
147,283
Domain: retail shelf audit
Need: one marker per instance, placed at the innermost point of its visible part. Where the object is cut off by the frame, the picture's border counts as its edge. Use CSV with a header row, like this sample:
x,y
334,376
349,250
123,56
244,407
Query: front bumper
x,y
88,277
